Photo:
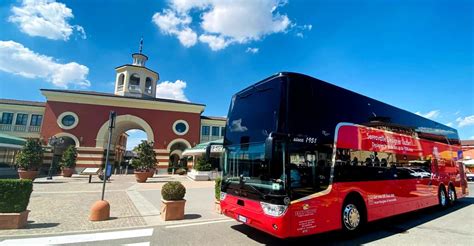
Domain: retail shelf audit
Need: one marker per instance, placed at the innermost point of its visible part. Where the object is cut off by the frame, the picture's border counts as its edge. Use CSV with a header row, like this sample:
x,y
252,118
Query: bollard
x,y
100,211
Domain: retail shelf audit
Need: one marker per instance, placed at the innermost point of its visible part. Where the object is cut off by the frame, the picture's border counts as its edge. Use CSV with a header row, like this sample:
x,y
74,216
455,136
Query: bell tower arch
x,y
135,79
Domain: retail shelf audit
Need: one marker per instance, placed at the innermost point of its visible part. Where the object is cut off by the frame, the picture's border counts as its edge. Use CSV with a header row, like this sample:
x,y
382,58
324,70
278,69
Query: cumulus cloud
x,y
45,18
225,22
252,50
466,121
450,124
172,90
19,60
430,115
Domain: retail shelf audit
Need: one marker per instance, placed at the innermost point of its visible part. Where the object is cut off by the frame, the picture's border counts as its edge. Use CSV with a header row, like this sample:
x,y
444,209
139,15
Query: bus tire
x,y
442,197
451,195
353,215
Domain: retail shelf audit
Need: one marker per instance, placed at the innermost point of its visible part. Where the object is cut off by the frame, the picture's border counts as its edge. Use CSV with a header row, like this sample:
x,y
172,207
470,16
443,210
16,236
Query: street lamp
x,y
53,142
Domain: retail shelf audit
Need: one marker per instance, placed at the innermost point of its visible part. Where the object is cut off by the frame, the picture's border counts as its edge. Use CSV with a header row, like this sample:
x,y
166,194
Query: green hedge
x,y
217,188
173,191
15,195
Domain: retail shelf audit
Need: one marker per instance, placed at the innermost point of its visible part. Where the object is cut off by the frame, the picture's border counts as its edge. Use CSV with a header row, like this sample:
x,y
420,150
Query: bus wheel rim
x,y
442,197
351,217
451,195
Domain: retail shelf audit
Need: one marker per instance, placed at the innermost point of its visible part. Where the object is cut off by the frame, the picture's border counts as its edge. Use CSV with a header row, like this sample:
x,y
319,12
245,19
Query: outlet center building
x,y
81,118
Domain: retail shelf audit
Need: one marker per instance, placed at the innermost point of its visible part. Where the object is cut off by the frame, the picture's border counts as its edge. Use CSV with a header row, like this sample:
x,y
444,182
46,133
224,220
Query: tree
x,y
31,156
68,160
146,156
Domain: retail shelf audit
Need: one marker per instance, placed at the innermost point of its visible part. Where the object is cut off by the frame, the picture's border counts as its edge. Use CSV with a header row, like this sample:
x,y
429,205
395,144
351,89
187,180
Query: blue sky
x,y
416,55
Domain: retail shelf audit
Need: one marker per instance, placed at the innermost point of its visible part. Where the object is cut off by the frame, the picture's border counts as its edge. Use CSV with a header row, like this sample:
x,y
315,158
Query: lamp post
x,y
53,142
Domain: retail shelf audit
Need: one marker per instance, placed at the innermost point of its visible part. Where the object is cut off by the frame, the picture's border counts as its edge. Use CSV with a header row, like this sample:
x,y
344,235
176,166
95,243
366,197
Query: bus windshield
x,y
253,115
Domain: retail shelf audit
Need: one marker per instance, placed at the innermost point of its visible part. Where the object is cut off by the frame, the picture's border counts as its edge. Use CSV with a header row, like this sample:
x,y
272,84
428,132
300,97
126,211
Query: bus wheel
x,y
451,195
443,199
351,216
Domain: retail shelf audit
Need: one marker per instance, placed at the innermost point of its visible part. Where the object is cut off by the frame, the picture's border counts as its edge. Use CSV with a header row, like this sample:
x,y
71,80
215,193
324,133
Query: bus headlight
x,y
273,209
223,195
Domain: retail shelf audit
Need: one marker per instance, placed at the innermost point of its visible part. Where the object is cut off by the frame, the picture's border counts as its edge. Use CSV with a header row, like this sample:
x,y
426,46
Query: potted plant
x,y
201,170
172,202
14,198
217,194
146,159
29,159
68,161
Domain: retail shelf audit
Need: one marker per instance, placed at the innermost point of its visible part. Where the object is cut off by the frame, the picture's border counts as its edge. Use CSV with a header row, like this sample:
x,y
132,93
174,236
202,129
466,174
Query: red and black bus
x,y
303,156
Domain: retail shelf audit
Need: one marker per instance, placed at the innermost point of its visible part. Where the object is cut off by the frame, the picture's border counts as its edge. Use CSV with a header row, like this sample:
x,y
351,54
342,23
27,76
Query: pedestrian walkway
x,y
62,205
142,237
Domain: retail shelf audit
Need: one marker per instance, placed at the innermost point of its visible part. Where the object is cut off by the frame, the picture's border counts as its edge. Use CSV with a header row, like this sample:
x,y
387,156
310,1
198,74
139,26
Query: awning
x,y
7,141
469,163
201,148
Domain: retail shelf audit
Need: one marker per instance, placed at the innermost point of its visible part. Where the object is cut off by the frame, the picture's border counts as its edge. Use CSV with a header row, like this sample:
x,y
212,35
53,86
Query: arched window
x,y
120,82
148,85
134,84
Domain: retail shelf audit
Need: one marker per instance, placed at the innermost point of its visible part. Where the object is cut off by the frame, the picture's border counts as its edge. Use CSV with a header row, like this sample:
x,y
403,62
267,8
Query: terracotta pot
x,y
172,210
141,177
67,172
13,220
151,172
27,174
217,207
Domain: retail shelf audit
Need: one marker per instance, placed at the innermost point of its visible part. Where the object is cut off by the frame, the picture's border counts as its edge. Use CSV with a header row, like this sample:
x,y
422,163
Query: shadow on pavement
x,y
33,225
192,216
371,232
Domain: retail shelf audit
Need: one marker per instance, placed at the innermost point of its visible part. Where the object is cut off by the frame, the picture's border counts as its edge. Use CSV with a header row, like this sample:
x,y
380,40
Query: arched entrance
x,y
176,149
58,149
123,123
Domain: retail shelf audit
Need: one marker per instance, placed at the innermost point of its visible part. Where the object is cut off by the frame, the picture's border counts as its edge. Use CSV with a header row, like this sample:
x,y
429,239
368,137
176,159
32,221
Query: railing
x,y
120,88
5,127
19,128
34,128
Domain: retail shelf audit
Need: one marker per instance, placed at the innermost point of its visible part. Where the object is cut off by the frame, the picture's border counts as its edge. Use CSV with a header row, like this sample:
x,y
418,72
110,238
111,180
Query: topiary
x,y
31,156
173,191
68,160
217,188
15,195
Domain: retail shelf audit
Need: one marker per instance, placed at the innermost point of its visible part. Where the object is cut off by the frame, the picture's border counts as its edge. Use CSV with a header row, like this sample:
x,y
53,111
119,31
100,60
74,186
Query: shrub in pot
x,y
202,165
14,198
146,160
172,202
217,194
181,171
29,159
68,161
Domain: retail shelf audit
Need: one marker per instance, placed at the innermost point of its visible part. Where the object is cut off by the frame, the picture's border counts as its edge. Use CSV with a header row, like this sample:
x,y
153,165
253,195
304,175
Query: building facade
x,y
81,118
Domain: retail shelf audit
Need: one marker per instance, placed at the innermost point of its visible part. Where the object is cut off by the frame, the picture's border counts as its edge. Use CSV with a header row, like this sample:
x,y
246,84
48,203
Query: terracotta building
x,y
81,118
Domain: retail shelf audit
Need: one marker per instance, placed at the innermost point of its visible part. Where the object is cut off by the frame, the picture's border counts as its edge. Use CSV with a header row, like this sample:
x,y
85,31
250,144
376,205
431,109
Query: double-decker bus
x,y
302,156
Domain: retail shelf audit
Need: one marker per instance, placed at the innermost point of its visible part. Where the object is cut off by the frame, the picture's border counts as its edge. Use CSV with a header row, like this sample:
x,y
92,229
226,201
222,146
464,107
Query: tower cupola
x,y
135,79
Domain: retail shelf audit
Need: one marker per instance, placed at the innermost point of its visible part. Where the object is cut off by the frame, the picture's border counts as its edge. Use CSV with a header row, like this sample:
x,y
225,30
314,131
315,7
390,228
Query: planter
x,y
67,172
172,210
199,175
151,172
141,177
217,207
13,220
27,174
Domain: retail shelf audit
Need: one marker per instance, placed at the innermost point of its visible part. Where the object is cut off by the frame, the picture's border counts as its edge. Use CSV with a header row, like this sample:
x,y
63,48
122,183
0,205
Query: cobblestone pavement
x,y
63,204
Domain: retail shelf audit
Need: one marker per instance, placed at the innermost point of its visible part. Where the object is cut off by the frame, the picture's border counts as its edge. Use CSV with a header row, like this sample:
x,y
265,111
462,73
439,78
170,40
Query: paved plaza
x,y
63,204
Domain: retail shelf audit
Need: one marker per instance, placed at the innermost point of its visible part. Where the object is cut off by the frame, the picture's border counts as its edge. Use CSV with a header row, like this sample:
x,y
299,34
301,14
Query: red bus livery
x,y
303,156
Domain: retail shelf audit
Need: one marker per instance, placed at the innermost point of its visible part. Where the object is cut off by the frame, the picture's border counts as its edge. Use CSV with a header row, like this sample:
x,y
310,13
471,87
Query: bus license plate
x,y
242,218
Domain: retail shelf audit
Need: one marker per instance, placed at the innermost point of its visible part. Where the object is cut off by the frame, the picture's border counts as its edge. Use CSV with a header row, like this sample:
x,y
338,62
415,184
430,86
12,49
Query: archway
x,y
176,149
58,150
123,124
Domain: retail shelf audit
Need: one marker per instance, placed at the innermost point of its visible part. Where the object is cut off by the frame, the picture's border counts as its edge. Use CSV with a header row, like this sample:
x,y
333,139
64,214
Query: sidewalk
x,y
63,204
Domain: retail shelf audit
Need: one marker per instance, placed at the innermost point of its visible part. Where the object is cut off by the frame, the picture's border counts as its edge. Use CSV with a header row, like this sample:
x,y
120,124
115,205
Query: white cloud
x,y
430,115
19,60
45,18
225,22
472,137
172,90
172,23
252,50
466,121
450,124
